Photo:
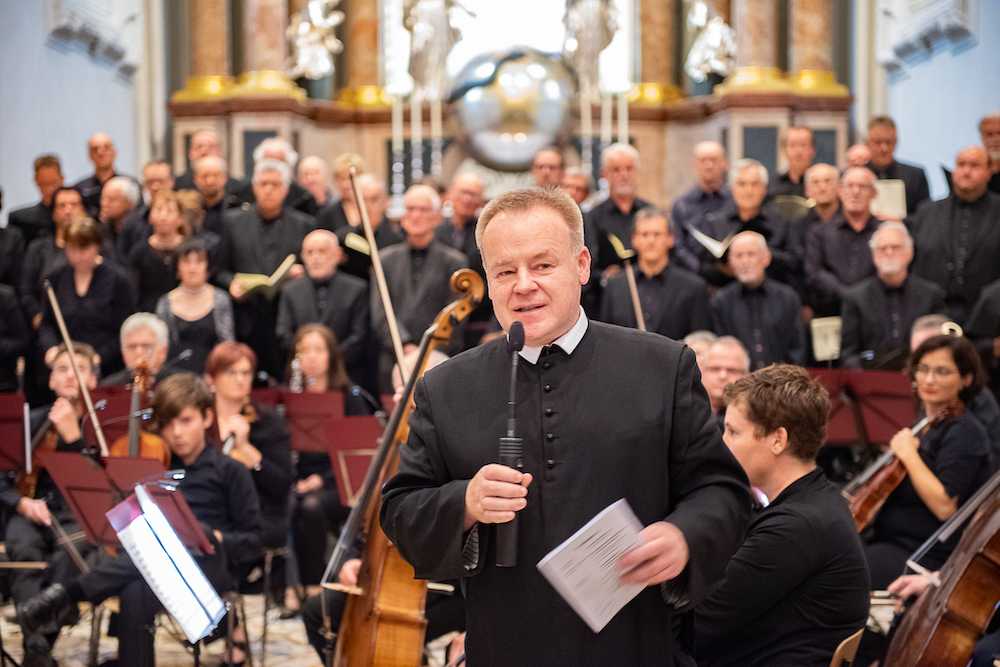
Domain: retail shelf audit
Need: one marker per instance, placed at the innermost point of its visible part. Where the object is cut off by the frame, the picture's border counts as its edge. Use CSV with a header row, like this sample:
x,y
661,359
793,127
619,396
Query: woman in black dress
x,y
95,298
199,316
152,262
944,466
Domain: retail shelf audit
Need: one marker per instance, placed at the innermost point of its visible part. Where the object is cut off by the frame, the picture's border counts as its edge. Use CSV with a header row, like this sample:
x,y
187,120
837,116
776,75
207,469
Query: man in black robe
x,y
257,240
204,143
297,197
958,238
709,195
799,149
798,586
882,143
34,221
606,413
102,153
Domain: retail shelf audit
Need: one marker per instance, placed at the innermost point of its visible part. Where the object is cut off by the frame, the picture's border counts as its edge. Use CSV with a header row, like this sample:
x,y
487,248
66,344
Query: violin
x,y
138,442
249,414
868,493
45,440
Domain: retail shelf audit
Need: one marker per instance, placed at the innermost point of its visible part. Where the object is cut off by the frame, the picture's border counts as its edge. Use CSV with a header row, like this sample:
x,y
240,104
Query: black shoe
x,y
48,611
37,653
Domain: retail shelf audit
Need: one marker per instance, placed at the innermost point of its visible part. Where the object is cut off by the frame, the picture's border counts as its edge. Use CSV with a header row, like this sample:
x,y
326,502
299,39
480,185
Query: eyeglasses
x,y
148,348
233,373
940,371
886,249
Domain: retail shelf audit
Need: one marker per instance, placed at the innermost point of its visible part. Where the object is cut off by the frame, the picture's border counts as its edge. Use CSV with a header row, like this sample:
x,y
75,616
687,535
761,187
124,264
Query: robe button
x,y
546,365
551,463
548,387
549,412
550,437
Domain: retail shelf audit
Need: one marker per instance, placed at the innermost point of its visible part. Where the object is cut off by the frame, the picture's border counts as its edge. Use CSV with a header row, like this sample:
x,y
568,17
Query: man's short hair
x,y
871,174
291,157
81,350
371,179
891,224
814,170
616,148
991,117
66,188
749,163
268,164
733,341
427,191
881,121
579,171
932,322
220,162
153,162
783,140
552,149
528,199
177,392
208,130
145,321
784,396
129,188
47,161
700,336
648,212
757,237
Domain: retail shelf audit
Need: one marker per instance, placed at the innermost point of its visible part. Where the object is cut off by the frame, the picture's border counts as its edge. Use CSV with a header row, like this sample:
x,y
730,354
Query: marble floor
x,y
286,641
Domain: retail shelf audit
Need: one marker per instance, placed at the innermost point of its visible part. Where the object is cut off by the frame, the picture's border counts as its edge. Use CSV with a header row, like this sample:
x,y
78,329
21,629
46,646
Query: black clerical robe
x,y
623,416
33,221
796,588
688,212
786,255
837,257
766,319
674,302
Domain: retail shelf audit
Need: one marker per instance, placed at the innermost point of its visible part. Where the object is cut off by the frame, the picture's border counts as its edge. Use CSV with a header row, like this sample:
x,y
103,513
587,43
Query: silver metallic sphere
x,y
511,104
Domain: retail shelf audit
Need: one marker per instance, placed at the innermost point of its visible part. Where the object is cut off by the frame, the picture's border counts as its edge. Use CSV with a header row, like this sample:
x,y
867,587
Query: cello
x,y
139,443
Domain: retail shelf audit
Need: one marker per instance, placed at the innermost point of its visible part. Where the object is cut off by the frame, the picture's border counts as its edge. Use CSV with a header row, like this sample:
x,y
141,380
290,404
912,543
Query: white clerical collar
x,y
568,341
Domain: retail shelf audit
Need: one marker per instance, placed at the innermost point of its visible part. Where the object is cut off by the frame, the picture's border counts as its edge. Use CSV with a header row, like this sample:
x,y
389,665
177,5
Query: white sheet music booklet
x,y
584,568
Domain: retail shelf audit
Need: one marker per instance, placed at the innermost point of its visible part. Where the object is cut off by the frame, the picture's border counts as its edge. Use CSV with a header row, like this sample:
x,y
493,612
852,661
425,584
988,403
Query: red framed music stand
x,y
91,488
351,442
866,407
12,434
113,416
269,396
307,415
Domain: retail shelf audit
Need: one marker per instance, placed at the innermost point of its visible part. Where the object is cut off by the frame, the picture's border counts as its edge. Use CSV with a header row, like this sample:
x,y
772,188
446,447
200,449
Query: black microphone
x,y
511,451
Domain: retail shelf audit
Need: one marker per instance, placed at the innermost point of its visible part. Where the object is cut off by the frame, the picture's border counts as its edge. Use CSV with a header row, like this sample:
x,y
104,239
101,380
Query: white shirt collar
x,y
568,341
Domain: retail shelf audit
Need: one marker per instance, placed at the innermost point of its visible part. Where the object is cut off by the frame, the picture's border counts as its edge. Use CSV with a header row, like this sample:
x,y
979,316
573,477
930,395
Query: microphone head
x,y
515,337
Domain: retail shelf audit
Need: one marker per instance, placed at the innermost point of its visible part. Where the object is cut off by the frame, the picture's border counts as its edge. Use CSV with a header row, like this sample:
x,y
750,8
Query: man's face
x,y
990,133
48,180
749,190
312,175
799,150
882,143
114,205
270,192
101,150
724,365
652,240
748,261
62,380
547,169
209,179
419,217
320,256
972,173
141,345
621,174
856,192
466,195
534,275
753,452
203,144
185,433
67,205
156,177
375,202
821,186
891,253
576,187
710,165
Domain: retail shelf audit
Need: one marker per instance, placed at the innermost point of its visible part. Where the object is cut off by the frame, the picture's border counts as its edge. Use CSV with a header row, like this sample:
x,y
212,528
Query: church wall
x,y
938,99
53,97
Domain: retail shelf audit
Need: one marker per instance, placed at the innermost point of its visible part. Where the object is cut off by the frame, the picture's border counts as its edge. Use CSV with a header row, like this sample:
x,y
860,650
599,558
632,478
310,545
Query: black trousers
x,y
314,515
136,623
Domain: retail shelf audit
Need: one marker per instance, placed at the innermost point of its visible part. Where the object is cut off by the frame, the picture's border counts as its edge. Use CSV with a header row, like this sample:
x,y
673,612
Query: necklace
x,y
193,292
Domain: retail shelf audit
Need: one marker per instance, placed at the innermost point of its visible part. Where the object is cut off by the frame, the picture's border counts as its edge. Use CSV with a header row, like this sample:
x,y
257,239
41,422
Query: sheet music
x,y
170,571
584,568
890,199
717,248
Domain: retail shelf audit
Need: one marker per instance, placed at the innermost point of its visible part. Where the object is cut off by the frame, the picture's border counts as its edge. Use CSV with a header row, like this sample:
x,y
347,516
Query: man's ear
x,y
779,441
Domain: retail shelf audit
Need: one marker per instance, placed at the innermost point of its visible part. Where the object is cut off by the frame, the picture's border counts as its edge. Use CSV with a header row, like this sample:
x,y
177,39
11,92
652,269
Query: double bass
x,y
383,622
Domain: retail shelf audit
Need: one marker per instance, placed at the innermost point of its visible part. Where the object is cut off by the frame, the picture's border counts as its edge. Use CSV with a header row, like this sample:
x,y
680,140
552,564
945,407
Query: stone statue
x,y
432,37
590,26
311,33
714,47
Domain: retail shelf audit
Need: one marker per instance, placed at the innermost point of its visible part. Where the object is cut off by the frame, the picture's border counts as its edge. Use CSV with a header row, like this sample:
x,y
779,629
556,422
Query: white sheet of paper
x,y
584,568
890,200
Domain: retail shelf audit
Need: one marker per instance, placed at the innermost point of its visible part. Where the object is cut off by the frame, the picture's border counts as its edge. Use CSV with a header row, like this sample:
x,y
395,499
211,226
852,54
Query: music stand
x,y
866,407
92,489
12,433
307,416
351,442
113,416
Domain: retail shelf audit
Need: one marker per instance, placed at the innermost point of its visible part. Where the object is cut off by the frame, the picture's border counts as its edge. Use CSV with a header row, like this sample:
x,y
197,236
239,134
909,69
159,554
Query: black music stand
x,y
12,433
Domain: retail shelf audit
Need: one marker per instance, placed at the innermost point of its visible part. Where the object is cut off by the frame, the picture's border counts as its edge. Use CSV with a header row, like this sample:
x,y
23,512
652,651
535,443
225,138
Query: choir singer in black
x,y
605,413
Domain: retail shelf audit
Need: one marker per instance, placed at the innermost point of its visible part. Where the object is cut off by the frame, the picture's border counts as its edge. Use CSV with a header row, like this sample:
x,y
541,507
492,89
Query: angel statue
x,y
311,33
714,46
590,26
433,36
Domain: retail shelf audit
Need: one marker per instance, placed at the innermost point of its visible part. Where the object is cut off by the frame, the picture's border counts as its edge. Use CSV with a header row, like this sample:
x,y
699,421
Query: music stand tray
x,y
12,433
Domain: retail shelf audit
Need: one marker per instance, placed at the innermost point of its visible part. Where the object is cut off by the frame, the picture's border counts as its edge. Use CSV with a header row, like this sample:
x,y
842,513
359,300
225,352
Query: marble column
x,y
265,51
361,25
657,35
209,30
756,25
810,37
